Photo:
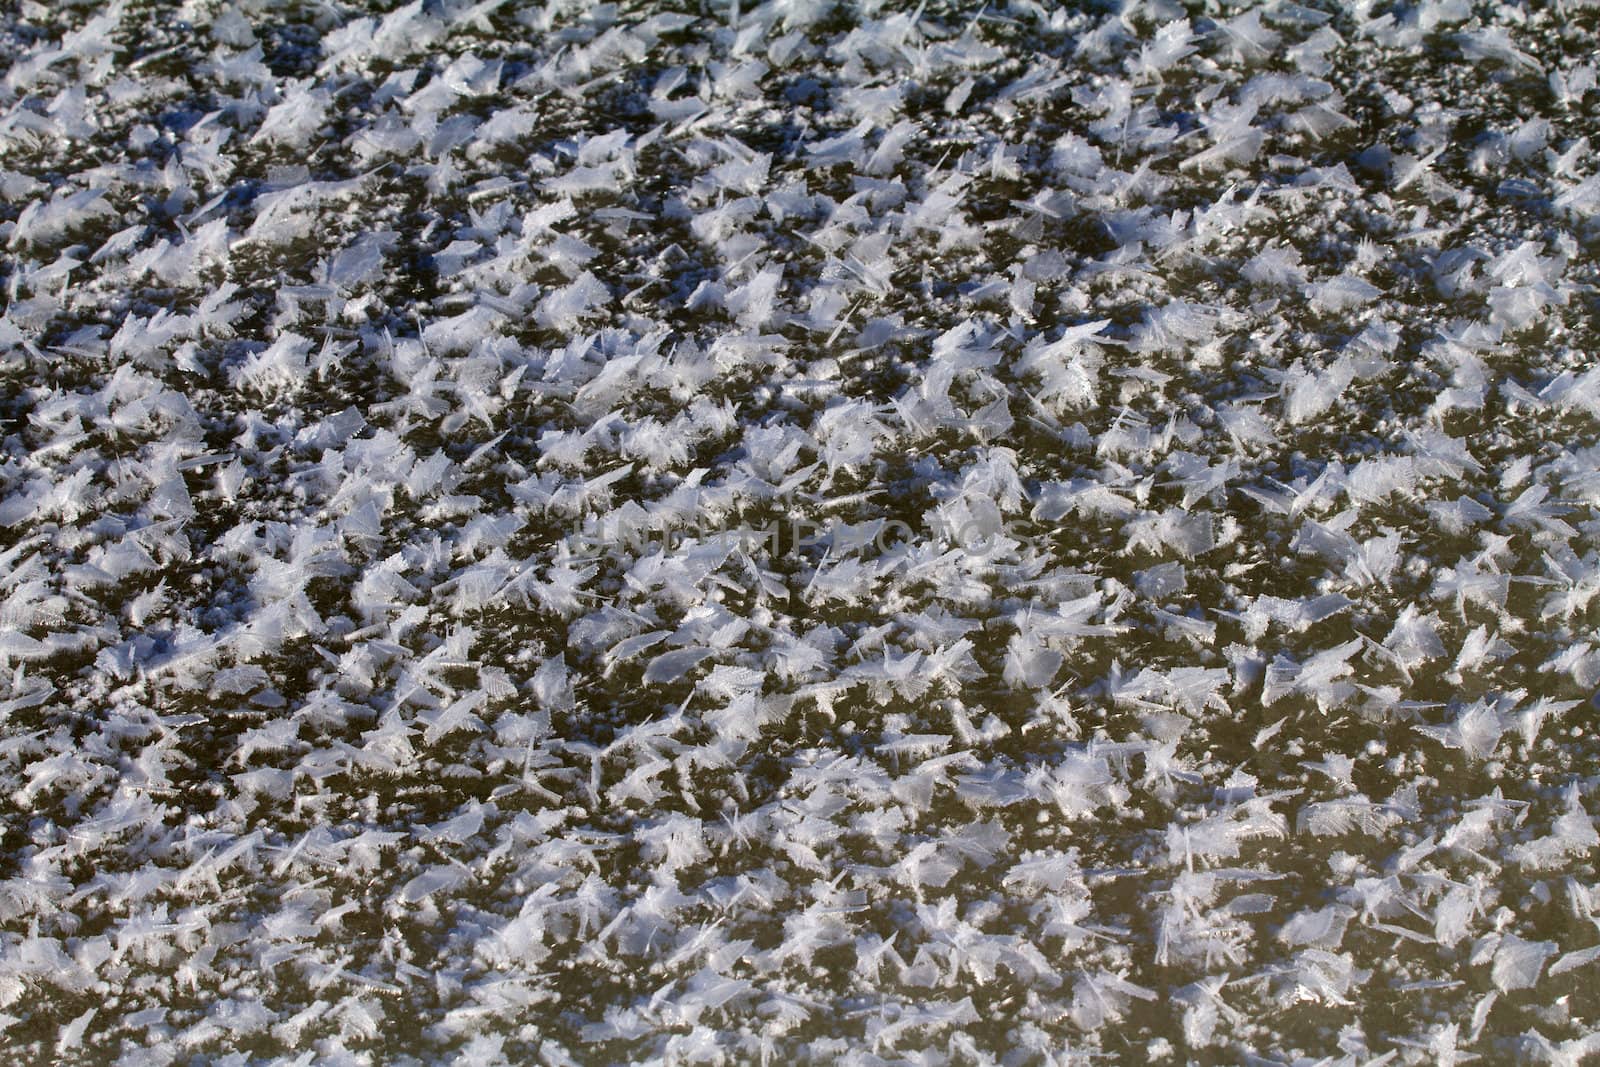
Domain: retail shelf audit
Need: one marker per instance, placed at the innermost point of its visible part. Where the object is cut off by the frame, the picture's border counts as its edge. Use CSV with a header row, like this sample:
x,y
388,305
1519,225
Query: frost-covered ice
x,y
1197,657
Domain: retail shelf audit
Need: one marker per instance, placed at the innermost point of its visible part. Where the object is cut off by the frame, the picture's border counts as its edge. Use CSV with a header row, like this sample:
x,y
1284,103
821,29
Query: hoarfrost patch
x,y
1191,415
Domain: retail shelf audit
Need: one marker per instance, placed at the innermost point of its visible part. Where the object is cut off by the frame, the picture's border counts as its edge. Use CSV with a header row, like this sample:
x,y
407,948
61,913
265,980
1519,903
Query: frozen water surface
x,y
1157,451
